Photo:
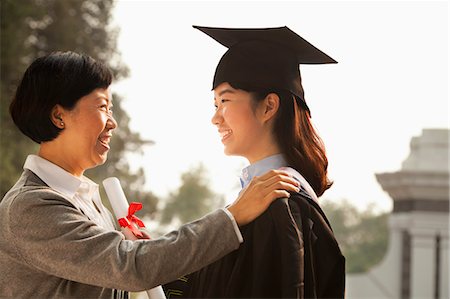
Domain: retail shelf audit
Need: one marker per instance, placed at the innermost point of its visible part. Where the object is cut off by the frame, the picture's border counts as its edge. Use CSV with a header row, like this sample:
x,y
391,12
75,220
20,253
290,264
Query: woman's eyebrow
x,y
102,97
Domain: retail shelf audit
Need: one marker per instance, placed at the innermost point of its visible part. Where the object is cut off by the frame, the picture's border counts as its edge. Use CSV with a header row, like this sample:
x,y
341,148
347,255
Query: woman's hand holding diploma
x,y
128,221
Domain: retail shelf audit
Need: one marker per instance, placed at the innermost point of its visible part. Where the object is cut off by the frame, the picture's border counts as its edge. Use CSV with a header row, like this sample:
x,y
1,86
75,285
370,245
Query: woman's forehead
x,y
102,93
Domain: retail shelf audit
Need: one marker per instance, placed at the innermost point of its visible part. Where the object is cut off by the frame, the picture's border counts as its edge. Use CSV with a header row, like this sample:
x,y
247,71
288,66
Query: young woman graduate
x,y
261,114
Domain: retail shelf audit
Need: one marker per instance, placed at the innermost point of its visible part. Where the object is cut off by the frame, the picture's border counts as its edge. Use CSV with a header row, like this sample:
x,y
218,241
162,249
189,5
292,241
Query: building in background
x,y
416,264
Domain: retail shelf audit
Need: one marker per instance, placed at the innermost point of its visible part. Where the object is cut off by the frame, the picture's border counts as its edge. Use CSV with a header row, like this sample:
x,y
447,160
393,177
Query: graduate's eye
x,y
221,101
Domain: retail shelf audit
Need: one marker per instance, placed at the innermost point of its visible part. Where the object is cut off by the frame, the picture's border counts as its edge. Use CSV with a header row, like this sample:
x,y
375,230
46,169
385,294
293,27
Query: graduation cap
x,y
266,58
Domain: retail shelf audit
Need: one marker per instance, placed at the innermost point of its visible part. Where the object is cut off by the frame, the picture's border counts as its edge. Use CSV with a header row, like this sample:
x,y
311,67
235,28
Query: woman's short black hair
x,y
58,78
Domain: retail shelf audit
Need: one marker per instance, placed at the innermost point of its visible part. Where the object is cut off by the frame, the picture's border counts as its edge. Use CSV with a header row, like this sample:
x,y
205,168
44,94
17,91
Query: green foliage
x,y
193,199
32,28
14,32
362,235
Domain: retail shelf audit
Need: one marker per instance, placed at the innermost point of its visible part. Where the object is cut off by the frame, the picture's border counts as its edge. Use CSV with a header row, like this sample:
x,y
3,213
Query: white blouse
x,y
81,192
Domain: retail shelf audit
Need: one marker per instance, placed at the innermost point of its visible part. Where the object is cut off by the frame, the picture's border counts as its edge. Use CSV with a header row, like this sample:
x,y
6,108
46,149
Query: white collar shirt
x,y
260,167
81,192
274,162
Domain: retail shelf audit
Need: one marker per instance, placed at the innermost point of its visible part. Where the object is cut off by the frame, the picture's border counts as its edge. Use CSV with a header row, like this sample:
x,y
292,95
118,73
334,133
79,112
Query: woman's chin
x,y
102,152
102,158
99,159
102,161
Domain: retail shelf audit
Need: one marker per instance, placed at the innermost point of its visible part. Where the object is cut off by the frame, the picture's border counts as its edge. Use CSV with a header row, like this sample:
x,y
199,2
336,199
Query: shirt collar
x,y
56,177
274,162
261,167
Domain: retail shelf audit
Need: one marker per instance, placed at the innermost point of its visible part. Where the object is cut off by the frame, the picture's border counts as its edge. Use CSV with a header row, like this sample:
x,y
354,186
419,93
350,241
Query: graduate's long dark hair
x,y
299,142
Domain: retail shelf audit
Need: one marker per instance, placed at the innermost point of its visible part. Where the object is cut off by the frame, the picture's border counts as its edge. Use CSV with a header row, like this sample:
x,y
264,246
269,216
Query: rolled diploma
x,y
120,205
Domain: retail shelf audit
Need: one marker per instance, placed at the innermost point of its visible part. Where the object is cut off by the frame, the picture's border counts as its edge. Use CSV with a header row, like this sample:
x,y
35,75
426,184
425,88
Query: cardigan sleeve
x,y
50,234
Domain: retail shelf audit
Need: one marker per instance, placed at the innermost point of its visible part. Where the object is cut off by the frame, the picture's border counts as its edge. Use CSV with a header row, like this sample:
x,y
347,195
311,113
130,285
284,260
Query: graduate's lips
x,y
225,133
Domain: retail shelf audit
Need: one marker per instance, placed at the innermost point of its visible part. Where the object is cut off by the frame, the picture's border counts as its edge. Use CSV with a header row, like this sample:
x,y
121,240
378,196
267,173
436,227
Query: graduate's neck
x,y
263,153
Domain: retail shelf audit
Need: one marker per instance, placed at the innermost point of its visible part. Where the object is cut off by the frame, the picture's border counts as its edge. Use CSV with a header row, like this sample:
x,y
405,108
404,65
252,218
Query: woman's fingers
x,y
284,185
257,196
276,194
277,179
272,173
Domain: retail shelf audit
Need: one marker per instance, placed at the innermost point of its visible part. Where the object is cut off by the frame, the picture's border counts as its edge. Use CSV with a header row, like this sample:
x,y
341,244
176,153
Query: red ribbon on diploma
x,y
131,218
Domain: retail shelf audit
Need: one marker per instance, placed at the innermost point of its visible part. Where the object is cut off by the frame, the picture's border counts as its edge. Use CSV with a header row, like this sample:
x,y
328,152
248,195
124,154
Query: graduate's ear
x,y
270,106
57,116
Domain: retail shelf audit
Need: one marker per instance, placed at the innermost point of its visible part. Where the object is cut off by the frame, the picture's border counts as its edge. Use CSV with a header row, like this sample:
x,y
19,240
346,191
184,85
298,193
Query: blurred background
x,y
382,112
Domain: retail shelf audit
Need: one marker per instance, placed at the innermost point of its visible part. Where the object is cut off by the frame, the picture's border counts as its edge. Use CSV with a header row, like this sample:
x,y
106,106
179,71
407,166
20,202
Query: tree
x,y
193,199
362,235
32,28
14,34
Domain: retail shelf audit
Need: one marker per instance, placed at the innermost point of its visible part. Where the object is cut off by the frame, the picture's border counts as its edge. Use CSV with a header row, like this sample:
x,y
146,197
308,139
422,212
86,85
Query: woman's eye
x,y
224,100
106,109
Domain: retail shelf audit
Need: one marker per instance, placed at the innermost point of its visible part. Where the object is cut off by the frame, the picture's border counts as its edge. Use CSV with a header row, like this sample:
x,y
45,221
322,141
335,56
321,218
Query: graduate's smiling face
x,y
87,130
239,122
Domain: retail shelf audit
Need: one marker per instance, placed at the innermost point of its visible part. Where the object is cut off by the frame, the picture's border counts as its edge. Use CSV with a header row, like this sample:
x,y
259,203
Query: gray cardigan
x,y
48,249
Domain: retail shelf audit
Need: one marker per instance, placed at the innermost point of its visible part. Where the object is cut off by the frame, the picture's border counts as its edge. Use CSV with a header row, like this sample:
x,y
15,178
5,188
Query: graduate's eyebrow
x,y
227,90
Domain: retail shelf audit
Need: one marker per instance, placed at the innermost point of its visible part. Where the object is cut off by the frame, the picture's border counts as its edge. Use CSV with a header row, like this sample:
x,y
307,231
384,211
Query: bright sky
x,y
390,83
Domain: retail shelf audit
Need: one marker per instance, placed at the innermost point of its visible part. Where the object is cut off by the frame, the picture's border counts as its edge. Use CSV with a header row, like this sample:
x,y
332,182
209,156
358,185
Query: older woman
x,y
57,239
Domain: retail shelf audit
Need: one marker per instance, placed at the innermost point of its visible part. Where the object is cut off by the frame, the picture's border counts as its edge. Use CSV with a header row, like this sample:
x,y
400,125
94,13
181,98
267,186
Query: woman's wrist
x,y
235,225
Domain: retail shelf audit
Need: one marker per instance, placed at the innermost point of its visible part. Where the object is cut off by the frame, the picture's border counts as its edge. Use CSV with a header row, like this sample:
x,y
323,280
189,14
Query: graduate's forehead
x,y
225,90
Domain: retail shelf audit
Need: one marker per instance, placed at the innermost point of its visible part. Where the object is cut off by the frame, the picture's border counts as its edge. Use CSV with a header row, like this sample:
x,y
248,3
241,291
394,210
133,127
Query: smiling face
x,y
87,129
243,125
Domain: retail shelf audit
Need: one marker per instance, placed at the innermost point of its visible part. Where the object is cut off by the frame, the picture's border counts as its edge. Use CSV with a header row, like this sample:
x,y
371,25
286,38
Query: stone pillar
x,y
420,192
416,264
423,267
444,279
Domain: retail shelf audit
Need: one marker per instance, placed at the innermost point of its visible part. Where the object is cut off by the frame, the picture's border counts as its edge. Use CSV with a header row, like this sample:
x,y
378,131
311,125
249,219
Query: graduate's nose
x,y
217,117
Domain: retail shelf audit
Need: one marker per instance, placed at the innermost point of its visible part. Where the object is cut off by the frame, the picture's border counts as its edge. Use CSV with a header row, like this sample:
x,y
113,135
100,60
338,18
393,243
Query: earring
x,y
62,124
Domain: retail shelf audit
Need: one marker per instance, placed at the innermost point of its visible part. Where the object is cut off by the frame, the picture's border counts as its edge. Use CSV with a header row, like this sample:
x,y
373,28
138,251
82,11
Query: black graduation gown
x,y
288,252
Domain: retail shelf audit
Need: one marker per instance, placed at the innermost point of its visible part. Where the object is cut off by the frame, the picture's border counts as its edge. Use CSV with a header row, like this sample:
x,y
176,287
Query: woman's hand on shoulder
x,y
260,193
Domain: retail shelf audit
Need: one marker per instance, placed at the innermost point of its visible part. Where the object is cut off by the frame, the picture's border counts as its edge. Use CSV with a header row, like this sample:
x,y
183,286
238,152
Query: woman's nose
x,y
111,123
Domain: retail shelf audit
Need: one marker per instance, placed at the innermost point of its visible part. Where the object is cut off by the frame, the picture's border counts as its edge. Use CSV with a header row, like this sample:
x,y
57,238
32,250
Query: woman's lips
x,y
104,140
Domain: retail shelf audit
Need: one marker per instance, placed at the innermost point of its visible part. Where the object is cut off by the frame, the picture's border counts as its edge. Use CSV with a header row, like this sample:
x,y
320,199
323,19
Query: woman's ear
x,y
271,104
56,116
